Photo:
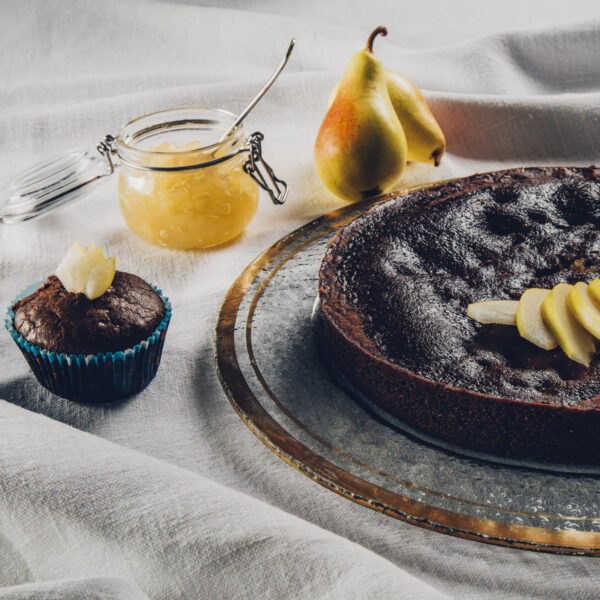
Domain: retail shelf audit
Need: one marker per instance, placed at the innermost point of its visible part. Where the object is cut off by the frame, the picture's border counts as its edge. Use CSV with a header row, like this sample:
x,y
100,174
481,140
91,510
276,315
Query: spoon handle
x,y
262,92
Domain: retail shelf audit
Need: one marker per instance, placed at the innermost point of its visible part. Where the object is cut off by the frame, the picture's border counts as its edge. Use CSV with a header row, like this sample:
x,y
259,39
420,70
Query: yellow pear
x,y
499,312
424,137
584,308
575,341
530,322
361,150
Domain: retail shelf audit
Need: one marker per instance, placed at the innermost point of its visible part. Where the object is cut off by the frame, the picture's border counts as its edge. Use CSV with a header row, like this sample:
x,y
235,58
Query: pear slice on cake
x,y
86,271
594,289
584,308
499,312
567,316
530,322
576,342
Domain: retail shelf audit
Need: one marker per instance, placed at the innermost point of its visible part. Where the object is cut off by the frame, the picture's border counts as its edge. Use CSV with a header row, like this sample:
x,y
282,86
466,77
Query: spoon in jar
x,y
262,92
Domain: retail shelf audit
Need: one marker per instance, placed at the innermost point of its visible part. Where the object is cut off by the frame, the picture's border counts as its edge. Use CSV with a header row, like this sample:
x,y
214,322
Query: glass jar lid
x,y
51,184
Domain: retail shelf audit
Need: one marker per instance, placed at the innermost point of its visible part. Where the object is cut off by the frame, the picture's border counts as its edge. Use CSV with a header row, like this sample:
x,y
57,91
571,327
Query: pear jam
x,y
197,201
187,209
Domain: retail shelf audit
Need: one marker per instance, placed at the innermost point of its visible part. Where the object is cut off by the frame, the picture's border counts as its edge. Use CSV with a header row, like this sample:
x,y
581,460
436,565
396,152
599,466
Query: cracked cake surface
x,y
395,285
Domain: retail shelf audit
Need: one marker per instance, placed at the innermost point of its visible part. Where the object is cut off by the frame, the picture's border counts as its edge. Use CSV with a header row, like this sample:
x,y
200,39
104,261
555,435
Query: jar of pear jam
x,y
181,185
188,178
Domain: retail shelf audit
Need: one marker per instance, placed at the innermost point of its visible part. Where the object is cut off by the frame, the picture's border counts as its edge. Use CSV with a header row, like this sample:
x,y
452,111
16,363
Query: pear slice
x,y
530,323
500,312
575,341
86,271
585,310
68,270
92,256
100,278
594,289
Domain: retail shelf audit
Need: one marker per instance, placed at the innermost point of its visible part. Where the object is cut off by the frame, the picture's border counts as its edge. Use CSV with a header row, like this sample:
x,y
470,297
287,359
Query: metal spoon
x,y
262,92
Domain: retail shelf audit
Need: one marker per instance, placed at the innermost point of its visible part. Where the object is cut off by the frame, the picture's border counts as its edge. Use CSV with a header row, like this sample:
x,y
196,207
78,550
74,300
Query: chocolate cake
x,y
394,289
60,321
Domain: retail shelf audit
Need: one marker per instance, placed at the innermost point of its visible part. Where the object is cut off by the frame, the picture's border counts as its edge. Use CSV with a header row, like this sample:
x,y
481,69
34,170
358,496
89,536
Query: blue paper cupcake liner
x,y
94,378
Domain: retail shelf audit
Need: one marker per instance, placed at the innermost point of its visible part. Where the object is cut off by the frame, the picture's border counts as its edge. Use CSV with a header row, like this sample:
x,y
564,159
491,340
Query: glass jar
x,y
186,180
175,189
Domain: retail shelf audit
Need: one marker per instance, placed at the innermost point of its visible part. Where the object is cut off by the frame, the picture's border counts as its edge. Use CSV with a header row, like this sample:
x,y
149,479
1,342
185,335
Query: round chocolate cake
x,y
394,290
60,321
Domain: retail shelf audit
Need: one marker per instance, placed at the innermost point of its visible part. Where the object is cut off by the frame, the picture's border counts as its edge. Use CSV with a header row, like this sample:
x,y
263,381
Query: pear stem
x,y
379,31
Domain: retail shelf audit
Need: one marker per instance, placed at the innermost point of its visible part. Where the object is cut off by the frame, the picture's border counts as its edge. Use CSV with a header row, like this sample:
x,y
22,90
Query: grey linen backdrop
x,y
169,495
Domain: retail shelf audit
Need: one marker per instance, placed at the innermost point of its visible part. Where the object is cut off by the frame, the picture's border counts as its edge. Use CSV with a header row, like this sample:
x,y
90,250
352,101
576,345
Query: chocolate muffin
x,y
395,285
92,351
60,321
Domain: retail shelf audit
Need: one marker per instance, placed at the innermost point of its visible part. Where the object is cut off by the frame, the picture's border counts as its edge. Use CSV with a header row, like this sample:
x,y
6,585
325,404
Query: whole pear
x,y
426,141
424,136
361,148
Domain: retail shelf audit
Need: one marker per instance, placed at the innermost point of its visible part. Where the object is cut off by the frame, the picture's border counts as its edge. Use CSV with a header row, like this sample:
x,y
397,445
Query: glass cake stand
x,y
276,374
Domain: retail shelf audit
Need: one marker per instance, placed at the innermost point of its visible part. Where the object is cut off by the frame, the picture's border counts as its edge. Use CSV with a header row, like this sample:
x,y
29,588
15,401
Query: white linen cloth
x,y
169,495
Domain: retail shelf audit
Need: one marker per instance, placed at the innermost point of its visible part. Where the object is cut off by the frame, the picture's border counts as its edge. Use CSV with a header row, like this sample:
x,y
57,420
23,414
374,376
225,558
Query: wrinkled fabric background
x,y
169,495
